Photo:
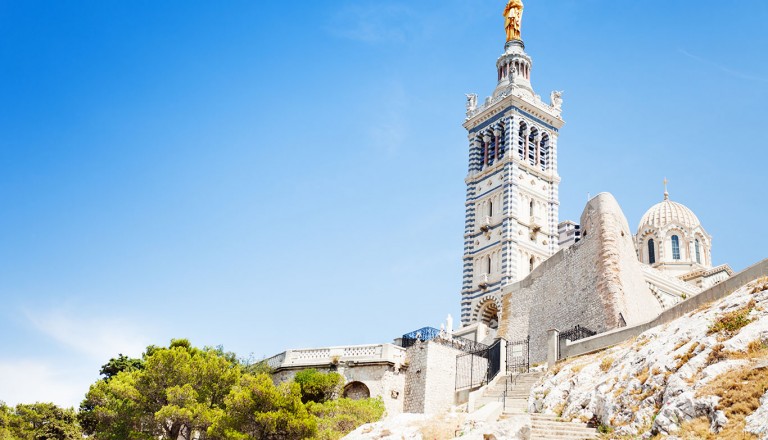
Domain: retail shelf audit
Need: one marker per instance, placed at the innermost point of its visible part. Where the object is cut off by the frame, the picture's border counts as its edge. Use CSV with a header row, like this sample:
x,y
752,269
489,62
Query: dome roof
x,y
669,213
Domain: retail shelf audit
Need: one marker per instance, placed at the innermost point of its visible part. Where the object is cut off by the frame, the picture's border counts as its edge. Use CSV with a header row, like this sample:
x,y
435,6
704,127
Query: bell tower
x,y
512,182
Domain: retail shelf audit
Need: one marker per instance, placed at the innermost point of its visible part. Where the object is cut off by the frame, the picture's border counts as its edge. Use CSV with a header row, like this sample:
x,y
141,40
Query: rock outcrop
x,y
673,378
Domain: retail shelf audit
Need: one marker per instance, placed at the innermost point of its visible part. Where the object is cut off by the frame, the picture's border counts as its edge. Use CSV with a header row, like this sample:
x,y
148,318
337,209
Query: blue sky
x,y
269,175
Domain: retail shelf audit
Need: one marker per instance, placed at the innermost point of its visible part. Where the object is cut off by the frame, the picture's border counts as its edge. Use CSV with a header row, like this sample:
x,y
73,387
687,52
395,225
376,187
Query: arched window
x,y
490,208
532,264
500,146
532,146
651,252
531,208
698,251
544,148
675,247
488,264
521,140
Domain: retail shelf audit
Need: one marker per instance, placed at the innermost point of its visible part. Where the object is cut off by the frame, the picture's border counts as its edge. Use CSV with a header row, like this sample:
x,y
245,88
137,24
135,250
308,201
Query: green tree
x,y
6,414
259,410
39,421
120,363
317,386
180,391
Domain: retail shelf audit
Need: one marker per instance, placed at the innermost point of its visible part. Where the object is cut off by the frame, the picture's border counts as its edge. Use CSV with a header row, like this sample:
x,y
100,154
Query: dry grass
x,y
643,375
684,358
717,354
761,284
733,321
606,363
757,349
740,391
577,368
681,343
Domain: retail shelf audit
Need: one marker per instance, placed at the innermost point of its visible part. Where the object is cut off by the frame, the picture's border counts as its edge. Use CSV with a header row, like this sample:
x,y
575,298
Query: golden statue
x,y
513,18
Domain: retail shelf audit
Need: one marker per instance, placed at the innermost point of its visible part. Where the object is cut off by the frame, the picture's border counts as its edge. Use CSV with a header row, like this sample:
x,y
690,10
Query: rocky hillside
x,y
704,375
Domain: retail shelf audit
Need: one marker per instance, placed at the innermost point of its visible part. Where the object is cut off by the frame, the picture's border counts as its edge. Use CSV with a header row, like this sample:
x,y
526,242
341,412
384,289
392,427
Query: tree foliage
x,y
337,418
38,421
182,392
179,391
119,364
318,387
257,409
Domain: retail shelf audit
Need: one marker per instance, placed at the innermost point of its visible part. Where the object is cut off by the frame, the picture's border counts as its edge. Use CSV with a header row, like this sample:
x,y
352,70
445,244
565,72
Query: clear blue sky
x,y
268,175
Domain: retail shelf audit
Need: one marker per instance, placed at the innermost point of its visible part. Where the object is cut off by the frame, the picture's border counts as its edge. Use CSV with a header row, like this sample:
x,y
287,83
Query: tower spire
x,y
666,193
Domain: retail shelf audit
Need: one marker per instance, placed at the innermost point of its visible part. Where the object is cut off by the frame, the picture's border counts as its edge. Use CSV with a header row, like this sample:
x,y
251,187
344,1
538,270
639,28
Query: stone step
x,y
563,427
557,424
540,434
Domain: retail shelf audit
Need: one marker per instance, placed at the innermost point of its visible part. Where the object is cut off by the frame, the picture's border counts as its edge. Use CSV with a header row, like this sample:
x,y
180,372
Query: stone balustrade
x,y
309,357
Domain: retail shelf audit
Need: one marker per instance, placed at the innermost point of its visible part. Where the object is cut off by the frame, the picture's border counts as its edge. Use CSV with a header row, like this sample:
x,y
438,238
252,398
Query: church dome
x,y
669,213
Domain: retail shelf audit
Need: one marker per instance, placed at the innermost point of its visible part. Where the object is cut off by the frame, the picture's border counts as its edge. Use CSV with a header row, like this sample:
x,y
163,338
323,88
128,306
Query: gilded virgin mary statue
x,y
513,18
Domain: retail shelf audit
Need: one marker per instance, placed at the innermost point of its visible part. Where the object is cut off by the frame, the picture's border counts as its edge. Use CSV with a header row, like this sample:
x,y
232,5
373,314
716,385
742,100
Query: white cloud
x,y
30,381
96,337
723,68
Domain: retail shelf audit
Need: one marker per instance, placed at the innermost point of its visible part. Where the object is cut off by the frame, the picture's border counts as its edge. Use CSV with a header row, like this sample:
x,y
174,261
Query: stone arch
x,y
356,391
488,311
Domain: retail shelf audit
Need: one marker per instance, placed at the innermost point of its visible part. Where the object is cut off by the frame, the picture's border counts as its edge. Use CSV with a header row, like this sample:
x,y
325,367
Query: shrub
x,y
318,387
732,321
337,418
606,363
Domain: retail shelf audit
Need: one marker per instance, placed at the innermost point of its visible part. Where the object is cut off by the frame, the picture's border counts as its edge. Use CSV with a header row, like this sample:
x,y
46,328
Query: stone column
x,y
553,342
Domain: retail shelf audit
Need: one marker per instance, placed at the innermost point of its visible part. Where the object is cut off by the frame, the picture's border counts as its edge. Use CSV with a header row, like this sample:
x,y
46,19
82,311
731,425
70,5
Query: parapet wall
x,y
714,293
597,283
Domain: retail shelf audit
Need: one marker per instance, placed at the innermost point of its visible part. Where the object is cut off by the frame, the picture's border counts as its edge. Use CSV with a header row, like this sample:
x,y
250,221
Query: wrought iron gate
x,y
518,356
476,369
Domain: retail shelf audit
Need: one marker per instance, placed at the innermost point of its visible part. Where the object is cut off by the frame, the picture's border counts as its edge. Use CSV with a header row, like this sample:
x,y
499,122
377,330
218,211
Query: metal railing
x,y
443,338
573,335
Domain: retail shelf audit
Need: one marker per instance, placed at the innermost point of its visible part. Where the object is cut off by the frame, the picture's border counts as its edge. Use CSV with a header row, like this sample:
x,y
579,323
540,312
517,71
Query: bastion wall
x,y
597,283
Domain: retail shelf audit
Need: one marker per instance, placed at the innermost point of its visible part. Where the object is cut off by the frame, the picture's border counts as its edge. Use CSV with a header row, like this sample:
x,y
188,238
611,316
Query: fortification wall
x,y
431,378
597,283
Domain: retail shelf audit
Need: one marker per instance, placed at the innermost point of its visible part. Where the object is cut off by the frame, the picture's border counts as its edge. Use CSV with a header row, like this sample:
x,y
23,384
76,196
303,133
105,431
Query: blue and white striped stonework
x,y
512,166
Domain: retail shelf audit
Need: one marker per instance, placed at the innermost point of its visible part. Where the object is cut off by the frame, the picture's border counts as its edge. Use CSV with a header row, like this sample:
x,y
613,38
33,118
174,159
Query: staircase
x,y
544,427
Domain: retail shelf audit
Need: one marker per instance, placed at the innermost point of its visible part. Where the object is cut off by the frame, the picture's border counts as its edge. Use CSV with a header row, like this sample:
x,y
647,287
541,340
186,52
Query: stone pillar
x,y
553,342
503,352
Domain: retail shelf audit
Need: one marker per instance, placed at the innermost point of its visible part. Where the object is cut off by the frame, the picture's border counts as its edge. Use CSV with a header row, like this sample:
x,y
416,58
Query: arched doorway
x,y
356,391
489,314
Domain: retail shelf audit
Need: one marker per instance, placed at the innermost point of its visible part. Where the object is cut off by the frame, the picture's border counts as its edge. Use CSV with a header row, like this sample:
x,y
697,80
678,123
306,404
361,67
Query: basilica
x,y
535,289
513,232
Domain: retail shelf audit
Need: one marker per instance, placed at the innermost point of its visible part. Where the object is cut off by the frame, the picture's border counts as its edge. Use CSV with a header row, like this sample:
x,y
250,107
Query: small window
x,y
488,264
698,252
531,208
651,252
675,247
533,264
490,208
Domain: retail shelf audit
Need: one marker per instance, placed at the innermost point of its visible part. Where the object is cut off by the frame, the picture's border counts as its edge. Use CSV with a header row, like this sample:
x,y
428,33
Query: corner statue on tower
x,y
513,18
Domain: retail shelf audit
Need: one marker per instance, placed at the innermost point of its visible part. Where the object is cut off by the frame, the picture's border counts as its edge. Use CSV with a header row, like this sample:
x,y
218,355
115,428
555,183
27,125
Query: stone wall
x,y
431,378
597,283
721,290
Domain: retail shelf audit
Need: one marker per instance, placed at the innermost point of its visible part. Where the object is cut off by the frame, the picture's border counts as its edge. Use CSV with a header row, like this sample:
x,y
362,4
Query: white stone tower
x,y
512,186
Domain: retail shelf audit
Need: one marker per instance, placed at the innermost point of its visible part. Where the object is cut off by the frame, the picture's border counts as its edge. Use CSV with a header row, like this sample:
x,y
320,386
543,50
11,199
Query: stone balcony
x,y
349,355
